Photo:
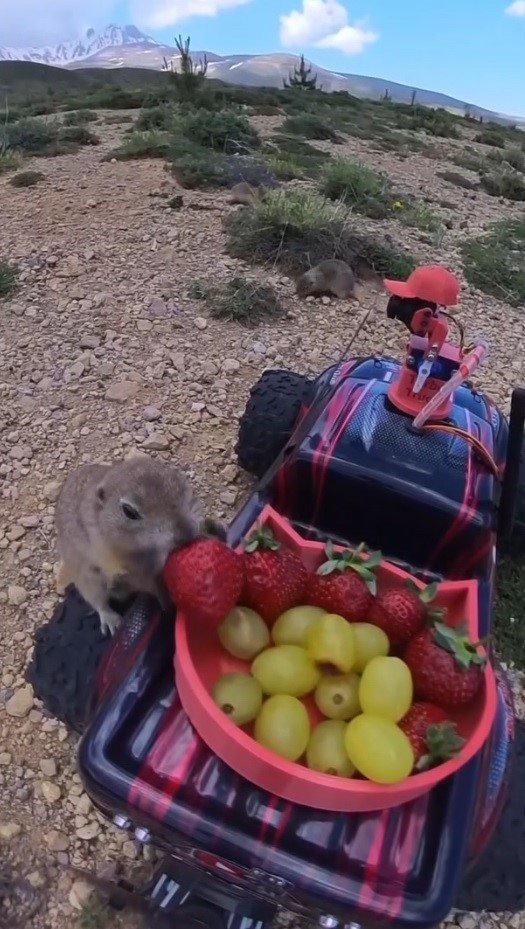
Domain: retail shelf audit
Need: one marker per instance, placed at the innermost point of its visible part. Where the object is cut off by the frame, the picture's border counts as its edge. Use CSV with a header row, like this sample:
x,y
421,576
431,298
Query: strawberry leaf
x,y
329,567
443,743
457,642
428,593
263,538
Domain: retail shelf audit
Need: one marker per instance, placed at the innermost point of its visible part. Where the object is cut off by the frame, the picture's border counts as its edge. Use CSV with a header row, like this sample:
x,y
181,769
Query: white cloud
x,y
516,9
325,24
46,22
160,14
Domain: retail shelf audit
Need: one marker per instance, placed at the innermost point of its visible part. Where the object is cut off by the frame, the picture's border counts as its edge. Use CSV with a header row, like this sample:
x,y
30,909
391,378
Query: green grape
x,y
370,641
239,696
326,750
379,749
283,726
293,626
331,642
285,669
386,688
244,633
336,696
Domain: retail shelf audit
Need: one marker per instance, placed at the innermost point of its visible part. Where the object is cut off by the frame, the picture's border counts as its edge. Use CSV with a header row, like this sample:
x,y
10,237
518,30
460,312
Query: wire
x,y
485,456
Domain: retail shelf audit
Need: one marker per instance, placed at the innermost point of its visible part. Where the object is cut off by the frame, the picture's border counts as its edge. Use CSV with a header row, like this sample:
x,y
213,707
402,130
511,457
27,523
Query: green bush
x,y
434,122
8,275
157,117
26,179
9,161
195,166
506,183
80,135
239,300
420,216
297,228
224,131
152,144
491,137
495,262
360,187
510,641
515,157
311,127
30,135
79,118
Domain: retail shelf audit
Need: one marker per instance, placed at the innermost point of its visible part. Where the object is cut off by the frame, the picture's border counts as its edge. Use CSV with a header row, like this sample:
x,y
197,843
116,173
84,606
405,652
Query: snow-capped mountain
x,y
80,49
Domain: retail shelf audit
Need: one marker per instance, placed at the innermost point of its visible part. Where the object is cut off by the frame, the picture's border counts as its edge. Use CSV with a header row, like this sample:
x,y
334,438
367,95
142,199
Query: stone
x,y
9,831
89,341
52,490
21,702
16,595
48,767
122,391
200,322
156,442
151,414
57,841
5,759
80,894
51,792
230,365
158,307
88,832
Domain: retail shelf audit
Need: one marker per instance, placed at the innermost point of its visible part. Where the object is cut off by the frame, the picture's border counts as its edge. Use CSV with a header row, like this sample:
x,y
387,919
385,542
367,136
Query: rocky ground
x,y
104,355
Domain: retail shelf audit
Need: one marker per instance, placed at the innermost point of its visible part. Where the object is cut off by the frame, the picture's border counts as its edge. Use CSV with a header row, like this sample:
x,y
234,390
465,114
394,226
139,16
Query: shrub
x,y
26,179
152,144
242,301
9,161
8,275
157,117
360,187
194,166
297,228
114,119
292,157
30,135
459,180
311,127
225,131
491,137
515,157
80,135
506,183
79,117
434,122
495,262
286,167
469,158
421,216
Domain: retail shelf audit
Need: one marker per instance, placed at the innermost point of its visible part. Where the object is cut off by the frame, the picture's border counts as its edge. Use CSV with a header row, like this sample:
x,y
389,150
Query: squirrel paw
x,y
109,622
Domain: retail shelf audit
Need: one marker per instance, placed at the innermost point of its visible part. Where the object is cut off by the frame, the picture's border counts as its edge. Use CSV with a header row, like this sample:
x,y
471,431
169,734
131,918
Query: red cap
x,y
430,282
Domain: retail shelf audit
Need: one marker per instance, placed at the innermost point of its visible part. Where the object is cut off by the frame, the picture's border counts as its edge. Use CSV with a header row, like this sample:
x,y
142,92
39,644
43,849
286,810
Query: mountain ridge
x,y
118,47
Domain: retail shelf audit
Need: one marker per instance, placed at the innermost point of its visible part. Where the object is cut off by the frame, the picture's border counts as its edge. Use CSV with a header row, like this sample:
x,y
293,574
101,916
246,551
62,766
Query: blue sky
x,y
471,50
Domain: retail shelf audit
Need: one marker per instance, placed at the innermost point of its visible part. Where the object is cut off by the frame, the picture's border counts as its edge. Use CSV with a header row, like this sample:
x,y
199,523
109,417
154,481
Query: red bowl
x,y
200,660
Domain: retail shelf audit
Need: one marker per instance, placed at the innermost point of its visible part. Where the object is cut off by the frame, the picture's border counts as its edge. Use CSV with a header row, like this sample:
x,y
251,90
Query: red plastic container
x,y
200,661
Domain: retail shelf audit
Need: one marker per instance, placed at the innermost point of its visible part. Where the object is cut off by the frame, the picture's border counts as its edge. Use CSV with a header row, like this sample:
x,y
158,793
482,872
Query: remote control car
x,y
412,458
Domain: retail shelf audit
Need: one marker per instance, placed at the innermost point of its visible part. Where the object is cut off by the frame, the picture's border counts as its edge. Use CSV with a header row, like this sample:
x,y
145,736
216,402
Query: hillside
x,y
119,48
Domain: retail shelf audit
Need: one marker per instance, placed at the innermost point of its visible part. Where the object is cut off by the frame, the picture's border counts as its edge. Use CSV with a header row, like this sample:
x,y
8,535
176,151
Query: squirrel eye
x,y
130,512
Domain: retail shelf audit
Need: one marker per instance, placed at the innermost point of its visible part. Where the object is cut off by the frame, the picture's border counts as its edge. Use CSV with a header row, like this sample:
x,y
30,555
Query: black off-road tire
x,y
269,418
68,651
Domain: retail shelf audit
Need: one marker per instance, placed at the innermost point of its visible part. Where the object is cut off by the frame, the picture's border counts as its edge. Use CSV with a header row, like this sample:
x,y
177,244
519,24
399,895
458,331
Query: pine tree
x,y
187,75
300,77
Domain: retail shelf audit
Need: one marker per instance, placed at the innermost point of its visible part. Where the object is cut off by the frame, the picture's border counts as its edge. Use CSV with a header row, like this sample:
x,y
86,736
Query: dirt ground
x,y
103,354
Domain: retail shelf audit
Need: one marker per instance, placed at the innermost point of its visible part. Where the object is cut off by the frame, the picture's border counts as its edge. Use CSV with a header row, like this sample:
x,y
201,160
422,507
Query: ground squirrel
x,y
328,277
116,525
247,195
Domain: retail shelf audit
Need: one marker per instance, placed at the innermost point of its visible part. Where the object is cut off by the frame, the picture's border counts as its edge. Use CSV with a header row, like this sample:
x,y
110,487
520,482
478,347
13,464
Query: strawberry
x,y
431,734
401,611
344,584
275,577
205,579
445,665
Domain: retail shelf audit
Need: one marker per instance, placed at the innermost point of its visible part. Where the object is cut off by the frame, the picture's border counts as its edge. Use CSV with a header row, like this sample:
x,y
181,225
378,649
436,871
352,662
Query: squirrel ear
x,y
101,494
